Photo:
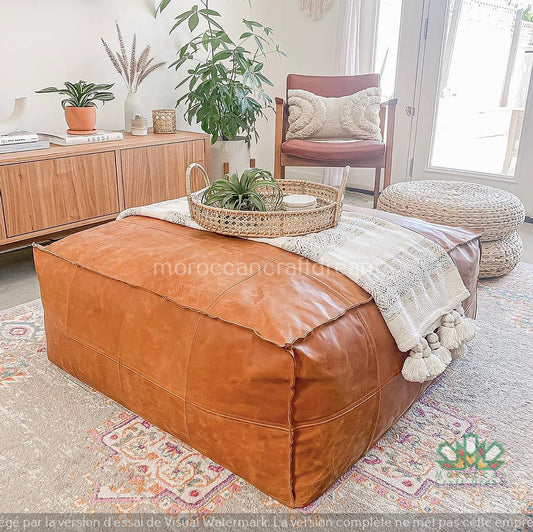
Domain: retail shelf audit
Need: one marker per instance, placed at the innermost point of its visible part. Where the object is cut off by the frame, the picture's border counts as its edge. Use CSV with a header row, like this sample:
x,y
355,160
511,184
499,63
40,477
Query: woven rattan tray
x,y
270,224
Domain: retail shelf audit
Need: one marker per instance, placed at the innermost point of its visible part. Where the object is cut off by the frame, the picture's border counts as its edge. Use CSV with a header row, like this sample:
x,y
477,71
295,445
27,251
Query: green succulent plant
x,y
255,190
82,94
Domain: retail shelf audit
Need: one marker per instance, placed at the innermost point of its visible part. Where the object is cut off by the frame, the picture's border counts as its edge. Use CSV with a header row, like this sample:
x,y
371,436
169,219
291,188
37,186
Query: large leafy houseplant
x,y
224,81
80,103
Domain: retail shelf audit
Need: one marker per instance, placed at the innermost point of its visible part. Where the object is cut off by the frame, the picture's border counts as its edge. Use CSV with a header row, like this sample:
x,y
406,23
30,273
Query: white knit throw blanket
x,y
413,281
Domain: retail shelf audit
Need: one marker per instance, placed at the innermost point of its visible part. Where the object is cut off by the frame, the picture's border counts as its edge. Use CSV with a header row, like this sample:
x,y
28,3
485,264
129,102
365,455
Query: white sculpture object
x,y
13,121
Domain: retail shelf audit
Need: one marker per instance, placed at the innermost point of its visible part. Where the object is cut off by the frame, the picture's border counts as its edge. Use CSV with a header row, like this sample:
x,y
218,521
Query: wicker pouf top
x,y
497,212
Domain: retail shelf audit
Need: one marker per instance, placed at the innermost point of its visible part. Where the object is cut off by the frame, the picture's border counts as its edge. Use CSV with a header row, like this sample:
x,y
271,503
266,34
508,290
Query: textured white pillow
x,y
314,117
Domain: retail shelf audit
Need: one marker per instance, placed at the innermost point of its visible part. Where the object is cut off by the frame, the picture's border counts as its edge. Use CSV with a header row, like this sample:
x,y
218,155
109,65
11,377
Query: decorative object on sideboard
x,y
225,90
215,208
164,120
12,122
315,8
139,125
80,104
134,70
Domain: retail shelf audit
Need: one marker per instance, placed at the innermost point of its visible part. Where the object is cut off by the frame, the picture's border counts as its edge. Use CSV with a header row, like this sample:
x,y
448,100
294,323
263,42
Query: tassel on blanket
x,y
461,351
447,333
465,331
414,368
438,350
434,364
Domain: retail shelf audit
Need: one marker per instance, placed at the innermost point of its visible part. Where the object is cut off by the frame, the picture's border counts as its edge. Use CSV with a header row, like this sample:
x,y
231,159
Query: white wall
x,y
47,42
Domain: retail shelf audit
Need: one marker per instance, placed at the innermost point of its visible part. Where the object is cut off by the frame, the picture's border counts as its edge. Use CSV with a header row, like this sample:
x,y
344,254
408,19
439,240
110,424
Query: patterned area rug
x,y
66,448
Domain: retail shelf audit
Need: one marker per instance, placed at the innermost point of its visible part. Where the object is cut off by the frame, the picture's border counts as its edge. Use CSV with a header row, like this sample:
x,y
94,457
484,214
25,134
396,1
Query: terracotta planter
x,y
80,119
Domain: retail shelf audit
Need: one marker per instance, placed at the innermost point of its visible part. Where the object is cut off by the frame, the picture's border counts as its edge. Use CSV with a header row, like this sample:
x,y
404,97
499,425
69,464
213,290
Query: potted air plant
x,y
80,104
133,70
254,190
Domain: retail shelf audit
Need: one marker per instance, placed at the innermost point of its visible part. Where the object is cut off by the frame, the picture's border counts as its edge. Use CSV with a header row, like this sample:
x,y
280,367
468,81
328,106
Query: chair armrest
x,y
281,120
281,127
389,103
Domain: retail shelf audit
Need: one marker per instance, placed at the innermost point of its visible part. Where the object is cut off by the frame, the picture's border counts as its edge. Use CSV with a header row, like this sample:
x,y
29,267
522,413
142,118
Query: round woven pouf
x,y
500,256
497,212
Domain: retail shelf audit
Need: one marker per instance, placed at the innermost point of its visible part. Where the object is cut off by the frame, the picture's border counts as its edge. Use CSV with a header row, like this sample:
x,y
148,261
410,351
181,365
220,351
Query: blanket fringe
x,y
430,357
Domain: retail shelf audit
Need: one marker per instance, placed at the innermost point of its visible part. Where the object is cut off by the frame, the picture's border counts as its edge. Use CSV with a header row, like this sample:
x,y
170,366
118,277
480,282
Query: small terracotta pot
x,y
80,118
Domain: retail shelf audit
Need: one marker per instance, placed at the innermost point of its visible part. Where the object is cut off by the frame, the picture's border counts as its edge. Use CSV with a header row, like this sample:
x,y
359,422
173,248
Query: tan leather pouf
x,y
496,212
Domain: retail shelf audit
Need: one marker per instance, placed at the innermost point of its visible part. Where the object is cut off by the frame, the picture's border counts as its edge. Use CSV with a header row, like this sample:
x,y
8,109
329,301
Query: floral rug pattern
x,y
159,469
127,465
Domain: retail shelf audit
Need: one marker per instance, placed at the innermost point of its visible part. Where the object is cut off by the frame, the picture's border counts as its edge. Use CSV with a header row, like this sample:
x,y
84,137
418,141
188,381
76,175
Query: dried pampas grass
x,y
133,70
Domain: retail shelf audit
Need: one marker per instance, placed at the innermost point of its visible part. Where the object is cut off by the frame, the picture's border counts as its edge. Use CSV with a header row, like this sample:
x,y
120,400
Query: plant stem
x,y
206,5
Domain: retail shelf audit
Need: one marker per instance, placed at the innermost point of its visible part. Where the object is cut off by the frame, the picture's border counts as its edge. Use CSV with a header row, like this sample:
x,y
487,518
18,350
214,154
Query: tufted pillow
x,y
315,117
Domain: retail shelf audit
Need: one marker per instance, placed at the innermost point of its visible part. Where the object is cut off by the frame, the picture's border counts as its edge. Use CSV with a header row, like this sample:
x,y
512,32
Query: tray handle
x,y
340,193
188,177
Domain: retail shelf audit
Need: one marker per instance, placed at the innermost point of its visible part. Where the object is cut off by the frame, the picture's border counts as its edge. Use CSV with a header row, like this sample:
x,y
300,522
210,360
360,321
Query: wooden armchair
x,y
357,154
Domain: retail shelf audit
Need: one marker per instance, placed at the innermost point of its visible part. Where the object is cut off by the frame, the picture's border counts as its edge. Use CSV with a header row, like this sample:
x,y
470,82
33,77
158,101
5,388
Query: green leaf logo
x,y
470,454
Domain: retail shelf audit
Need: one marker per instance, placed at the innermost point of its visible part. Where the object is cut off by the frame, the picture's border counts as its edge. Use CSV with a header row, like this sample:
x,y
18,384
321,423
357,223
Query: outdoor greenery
x,y
224,78
82,94
247,193
527,14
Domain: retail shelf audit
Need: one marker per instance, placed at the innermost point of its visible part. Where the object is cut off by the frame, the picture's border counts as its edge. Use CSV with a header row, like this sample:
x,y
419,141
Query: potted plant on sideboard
x,y
80,104
225,82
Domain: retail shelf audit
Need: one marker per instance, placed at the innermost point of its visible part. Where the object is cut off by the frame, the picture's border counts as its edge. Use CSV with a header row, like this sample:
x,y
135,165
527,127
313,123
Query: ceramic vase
x,y
132,107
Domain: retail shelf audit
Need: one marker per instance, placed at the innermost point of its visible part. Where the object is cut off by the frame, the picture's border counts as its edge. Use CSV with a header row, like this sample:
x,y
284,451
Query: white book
x,y
63,139
24,146
18,137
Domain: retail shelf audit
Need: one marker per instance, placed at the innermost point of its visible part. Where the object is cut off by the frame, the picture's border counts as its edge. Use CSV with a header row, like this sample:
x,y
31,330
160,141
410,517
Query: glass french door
x,y
472,113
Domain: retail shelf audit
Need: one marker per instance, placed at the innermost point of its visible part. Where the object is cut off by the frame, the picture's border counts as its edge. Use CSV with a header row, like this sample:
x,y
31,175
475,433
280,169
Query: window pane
x,y
483,86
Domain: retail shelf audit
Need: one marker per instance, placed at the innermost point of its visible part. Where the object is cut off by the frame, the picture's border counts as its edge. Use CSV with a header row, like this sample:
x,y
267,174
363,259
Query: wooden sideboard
x,y
51,192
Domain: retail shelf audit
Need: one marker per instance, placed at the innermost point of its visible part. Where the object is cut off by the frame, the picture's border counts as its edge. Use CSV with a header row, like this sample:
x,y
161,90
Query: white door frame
x,y
431,39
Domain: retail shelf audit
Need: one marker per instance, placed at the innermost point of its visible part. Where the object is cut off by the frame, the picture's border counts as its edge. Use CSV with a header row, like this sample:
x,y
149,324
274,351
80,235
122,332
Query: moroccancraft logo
x,y
470,462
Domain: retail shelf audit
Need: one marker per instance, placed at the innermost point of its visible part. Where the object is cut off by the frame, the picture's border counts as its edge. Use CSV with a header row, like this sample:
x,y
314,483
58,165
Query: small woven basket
x,y
270,224
164,120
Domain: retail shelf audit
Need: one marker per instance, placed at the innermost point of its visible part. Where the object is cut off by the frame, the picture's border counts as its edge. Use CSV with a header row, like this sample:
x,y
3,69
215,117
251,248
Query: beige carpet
x,y
67,448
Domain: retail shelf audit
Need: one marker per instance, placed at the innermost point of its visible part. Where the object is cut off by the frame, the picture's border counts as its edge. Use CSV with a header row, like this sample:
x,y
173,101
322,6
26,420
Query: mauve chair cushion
x,y
333,86
334,151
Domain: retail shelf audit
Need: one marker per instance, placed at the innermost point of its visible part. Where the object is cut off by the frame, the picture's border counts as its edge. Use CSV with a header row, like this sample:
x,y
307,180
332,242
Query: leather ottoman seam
x,y
345,410
239,419
189,354
372,346
290,416
327,322
297,426
203,312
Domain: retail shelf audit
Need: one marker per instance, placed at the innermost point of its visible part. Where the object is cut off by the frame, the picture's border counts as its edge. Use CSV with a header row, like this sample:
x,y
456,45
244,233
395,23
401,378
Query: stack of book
x,y
21,141
64,139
